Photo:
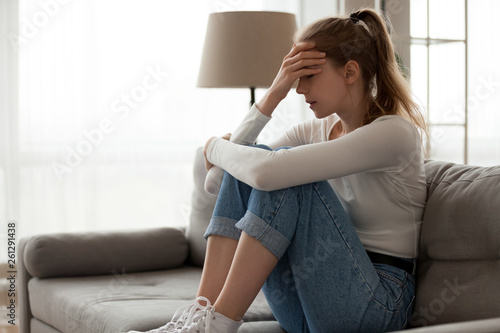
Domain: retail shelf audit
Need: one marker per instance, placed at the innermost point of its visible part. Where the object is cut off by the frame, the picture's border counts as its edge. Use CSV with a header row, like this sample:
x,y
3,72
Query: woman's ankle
x,y
228,312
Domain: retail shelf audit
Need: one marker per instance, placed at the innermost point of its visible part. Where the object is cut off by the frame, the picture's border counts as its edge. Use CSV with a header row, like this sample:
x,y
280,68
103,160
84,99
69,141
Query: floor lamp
x,y
245,49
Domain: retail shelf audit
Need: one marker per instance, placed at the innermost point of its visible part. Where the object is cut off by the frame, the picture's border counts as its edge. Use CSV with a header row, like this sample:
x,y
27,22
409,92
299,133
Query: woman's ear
x,y
351,72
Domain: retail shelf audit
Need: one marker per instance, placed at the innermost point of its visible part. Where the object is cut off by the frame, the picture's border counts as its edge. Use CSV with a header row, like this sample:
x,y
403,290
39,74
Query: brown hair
x,y
364,38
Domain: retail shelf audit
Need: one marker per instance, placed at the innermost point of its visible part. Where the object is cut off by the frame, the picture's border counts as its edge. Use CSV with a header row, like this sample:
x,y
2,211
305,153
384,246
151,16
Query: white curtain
x,y
107,119
8,105
9,153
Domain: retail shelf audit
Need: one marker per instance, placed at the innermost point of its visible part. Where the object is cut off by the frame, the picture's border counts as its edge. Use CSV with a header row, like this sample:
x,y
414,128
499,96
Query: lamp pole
x,y
252,96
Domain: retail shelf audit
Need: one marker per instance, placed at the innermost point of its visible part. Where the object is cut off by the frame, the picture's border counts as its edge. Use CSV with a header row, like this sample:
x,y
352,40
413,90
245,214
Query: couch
x,y
121,280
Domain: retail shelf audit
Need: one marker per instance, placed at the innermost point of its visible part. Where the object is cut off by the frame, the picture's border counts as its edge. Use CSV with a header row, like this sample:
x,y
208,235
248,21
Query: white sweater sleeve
x,y
384,145
246,134
251,126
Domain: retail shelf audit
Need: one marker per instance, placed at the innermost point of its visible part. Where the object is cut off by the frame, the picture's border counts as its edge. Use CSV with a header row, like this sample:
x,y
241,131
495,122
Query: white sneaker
x,y
183,316
206,320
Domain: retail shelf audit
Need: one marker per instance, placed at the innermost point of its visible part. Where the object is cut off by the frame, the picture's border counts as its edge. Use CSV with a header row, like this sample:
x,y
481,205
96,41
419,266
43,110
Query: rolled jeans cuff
x,y
222,226
272,239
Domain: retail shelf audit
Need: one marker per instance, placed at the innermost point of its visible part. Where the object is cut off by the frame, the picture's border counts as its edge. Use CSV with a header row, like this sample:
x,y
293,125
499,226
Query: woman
x,y
329,227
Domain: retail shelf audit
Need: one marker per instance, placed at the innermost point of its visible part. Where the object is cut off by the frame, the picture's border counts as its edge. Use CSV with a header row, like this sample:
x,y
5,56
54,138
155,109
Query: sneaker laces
x,y
178,320
199,317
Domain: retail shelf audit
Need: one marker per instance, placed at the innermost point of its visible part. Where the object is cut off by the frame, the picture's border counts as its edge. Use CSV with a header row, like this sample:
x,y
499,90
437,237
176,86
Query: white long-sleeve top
x,y
376,171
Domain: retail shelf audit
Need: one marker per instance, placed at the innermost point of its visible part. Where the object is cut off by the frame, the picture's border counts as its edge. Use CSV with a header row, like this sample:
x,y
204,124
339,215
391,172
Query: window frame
x,y
427,42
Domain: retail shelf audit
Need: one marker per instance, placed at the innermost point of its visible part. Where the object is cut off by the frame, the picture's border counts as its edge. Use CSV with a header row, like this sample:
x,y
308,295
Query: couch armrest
x,y
24,313
477,326
97,253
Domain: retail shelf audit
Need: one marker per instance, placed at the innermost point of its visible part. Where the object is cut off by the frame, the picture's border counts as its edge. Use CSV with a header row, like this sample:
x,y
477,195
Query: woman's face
x,y
325,92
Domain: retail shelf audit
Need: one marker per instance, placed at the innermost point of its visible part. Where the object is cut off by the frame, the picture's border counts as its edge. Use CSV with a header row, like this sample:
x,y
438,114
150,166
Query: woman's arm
x,y
246,134
295,65
384,145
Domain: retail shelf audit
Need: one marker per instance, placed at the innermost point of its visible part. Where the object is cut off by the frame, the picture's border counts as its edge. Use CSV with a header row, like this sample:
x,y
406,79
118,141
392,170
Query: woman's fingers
x,y
308,71
308,55
303,55
295,65
299,47
294,70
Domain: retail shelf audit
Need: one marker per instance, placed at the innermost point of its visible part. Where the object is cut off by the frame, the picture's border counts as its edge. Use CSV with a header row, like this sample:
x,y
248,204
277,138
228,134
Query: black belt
x,y
378,258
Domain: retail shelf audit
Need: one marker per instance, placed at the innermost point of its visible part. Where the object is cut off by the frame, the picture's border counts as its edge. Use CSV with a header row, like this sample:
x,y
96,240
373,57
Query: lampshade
x,y
245,49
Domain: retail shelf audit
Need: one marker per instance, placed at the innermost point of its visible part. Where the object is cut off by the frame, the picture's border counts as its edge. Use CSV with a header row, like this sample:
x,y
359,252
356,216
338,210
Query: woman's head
x,y
364,38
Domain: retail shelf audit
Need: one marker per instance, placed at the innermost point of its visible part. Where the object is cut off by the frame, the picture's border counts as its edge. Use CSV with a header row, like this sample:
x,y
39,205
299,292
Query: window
x,y
455,76
108,116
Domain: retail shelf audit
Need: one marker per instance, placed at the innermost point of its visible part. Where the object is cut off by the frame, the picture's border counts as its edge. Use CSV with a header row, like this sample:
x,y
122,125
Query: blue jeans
x,y
324,280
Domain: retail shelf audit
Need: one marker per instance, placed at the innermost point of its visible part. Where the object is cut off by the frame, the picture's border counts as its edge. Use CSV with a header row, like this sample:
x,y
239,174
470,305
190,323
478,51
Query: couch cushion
x,y
83,254
202,206
459,260
122,302
40,327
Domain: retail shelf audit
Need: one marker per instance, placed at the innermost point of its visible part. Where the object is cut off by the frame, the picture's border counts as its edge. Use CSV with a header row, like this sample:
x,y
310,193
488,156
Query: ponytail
x,y
364,38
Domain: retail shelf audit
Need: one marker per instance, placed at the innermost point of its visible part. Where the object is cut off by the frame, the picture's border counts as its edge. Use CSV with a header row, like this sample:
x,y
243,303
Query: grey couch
x,y
117,281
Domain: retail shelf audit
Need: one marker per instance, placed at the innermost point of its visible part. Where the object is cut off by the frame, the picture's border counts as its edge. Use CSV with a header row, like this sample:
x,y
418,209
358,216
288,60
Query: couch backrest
x,y
459,262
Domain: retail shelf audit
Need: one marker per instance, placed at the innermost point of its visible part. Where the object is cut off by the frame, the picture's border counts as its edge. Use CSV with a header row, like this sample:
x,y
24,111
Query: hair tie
x,y
354,17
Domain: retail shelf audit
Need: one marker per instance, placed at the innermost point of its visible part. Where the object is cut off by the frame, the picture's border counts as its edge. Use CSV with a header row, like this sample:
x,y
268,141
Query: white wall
x,y
316,9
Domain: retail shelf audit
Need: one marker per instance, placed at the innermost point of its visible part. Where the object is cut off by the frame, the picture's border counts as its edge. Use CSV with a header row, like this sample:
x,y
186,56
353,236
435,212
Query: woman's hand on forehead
x,y
302,60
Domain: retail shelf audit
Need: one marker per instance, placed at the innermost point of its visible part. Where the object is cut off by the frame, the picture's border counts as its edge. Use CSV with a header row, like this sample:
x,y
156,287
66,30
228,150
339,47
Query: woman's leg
x,y
251,264
324,270
231,206
218,259
251,267
324,280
